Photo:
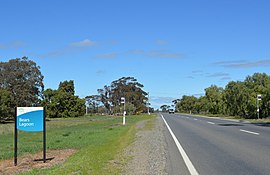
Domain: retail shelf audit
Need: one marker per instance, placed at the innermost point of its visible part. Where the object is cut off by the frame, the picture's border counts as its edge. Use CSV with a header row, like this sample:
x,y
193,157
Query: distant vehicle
x,y
171,111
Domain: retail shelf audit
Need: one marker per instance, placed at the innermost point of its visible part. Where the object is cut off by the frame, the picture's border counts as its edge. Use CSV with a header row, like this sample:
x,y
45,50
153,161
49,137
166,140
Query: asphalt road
x,y
218,147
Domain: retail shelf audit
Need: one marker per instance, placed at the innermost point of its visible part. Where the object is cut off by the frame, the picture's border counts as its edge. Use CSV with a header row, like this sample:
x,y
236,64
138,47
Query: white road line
x,y
187,161
195,119
211,123
250,132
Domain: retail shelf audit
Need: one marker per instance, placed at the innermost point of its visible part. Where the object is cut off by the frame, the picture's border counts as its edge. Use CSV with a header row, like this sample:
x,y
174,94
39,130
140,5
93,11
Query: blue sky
x,y
172,47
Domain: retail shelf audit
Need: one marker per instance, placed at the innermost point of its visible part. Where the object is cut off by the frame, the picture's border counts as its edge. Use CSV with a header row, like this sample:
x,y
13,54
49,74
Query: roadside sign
x,y
30,119
123,100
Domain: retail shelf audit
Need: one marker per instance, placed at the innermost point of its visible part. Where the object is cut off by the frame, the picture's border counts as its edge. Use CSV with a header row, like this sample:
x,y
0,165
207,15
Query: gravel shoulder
x,y
148,152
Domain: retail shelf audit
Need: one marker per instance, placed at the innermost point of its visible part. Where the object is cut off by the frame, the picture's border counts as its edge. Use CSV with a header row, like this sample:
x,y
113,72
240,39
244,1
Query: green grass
x,y
99,140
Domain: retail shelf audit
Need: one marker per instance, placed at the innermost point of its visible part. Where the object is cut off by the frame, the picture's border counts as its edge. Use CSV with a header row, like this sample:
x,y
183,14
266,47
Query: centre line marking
x,y
187,161
250,132
211,123
195,119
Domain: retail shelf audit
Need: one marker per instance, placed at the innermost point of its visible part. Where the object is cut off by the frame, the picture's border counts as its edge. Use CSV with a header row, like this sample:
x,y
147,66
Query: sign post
x,y
29,119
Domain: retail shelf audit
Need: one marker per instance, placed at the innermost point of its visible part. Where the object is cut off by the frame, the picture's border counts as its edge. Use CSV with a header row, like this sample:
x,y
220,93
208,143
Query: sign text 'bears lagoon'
x,y
30,119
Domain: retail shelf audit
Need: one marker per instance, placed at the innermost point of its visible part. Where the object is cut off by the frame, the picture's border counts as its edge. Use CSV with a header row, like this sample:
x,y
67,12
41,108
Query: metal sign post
x,y
29,119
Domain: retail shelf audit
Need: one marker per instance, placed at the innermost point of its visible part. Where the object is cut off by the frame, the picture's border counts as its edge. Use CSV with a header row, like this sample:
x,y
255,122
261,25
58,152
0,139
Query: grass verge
x,y
100,140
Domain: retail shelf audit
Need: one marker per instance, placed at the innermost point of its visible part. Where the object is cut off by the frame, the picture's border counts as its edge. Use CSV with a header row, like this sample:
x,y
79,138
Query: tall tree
x,y
67,86
213,95
237,99
187,104
93,102
105,97
62,102
164,108
127,87
5,103
22,77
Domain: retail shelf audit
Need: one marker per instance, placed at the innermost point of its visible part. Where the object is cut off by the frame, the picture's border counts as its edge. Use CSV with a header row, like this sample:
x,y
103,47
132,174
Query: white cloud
x,y
200,73
83,43
243,63
161,42
218,74
221,75
107,55
158,54
73,47
100,72
12,45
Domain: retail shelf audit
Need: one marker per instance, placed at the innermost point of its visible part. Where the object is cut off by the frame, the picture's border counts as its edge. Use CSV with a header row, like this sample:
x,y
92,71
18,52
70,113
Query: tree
x,y
187,104
105,97
259,83
165,108
23,79
201,105
213,95
93,103
127,87
67,87
62,102
237,99
5,103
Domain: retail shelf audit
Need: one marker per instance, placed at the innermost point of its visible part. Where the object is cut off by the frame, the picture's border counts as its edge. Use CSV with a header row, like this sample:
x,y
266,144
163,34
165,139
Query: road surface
x,y
216,146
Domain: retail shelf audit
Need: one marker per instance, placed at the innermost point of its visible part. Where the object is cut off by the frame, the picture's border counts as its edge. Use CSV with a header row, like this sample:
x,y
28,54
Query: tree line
x,y
108,99
21,84
238,98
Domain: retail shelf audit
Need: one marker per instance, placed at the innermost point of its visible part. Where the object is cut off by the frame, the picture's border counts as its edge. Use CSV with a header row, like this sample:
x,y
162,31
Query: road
x,y
216,146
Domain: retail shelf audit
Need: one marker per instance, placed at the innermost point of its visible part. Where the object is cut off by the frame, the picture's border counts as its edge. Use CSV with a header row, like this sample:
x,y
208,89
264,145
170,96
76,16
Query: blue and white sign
x,y
30,119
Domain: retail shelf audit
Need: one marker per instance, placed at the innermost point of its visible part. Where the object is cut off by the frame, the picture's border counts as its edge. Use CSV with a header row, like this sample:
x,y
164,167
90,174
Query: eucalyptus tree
x,y
238,100
213,95
93,102
187,104
23,79
259,83
21,84
165,108
127,87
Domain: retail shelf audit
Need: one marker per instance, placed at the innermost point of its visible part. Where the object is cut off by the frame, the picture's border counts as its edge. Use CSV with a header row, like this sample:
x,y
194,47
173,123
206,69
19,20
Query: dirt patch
x,y
29,162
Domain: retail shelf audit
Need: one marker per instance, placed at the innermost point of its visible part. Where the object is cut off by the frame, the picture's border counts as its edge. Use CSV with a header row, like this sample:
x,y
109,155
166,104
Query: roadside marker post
x,y
259,98
123,101
29,119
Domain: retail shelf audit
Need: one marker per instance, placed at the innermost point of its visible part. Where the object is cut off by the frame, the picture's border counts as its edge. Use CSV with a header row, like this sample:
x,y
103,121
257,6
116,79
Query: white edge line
x,y
187,161
250,132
